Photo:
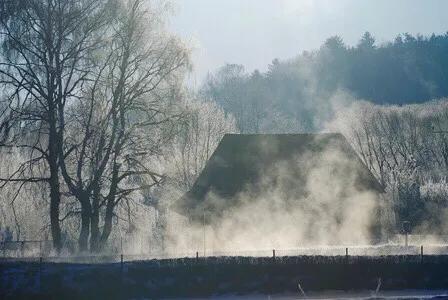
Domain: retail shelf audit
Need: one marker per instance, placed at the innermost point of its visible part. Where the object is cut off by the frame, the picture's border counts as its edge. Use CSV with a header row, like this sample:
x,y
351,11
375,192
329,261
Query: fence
x,y
34,251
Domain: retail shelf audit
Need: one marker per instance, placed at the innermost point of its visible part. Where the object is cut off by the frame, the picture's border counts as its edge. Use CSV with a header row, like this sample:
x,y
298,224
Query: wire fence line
x,y
42,251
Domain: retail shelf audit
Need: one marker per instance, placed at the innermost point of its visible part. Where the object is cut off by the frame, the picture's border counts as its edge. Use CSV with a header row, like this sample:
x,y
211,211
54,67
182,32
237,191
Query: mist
x,y
133,134
275,214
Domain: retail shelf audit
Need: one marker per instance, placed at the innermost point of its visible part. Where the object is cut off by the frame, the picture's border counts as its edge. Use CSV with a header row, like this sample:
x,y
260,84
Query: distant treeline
x,y
299,93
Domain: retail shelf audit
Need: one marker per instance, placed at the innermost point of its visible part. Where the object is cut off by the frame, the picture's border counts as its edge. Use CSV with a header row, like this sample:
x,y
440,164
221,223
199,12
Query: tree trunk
x,y
107,229
110,205
55,200
55,195
86,211
95,219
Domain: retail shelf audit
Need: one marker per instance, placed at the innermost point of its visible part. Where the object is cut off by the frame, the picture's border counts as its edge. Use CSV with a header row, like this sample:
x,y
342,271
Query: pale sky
x,y
254,32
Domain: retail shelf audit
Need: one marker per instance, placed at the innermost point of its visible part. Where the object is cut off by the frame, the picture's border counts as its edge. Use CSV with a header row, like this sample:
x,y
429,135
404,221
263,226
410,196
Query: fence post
x,y
4,249
421,253
40,273
121,271
22,246
346,254
121,263
40,266
40,249
197,255
273,254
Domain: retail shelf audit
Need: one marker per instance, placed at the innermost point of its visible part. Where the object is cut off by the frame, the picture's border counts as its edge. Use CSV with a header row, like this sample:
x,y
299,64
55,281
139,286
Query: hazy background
x,y
375,71
253,32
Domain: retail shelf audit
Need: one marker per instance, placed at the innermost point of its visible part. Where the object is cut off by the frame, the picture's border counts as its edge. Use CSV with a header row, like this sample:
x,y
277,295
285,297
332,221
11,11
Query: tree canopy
x,y
410,69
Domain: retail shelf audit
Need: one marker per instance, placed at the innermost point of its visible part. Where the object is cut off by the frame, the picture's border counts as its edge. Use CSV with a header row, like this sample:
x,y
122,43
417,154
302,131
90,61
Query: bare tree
x,y
197,137
43,65
405,148
121,119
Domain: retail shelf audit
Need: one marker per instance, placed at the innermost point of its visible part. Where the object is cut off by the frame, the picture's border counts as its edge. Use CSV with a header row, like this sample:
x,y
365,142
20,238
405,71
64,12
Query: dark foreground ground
x,y
220,277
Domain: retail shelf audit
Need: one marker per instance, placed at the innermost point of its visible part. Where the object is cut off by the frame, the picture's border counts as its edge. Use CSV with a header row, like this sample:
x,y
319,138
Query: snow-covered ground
x,y
405,294
233,278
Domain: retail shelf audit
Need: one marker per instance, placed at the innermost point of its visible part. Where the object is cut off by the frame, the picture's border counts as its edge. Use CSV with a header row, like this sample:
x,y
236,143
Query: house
x,y
299,169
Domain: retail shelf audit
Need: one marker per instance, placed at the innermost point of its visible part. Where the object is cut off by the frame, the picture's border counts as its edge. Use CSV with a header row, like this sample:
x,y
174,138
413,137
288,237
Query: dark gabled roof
x,y
242,160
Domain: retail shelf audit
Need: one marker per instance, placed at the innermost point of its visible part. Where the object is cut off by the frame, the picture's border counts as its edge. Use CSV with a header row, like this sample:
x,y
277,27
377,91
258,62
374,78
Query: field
x,y
220,276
